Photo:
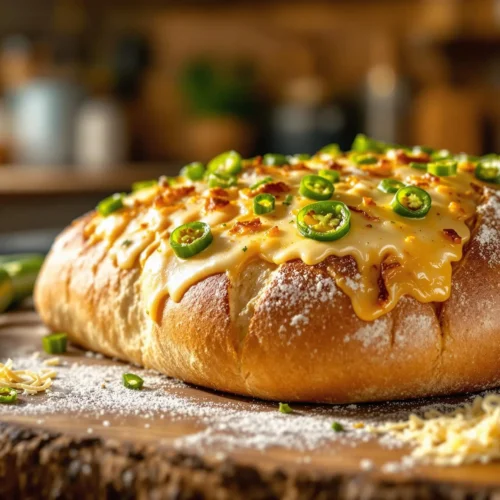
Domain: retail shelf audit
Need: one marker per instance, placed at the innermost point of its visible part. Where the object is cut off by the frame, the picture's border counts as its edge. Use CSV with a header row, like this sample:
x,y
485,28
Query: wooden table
x,y
54,456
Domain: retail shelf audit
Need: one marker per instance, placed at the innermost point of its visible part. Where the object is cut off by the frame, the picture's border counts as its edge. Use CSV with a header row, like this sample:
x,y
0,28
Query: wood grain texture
x,y
40,464
52,456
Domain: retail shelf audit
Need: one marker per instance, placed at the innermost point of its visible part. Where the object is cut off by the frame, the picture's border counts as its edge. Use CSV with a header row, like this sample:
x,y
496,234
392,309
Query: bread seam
x,y
254,302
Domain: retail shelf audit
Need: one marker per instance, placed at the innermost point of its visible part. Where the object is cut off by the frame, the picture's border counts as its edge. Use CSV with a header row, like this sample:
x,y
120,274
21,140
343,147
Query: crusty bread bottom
x,y
284,332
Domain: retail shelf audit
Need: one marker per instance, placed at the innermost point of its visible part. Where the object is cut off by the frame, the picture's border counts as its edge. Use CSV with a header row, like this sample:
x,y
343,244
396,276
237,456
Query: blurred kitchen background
x,y
96,94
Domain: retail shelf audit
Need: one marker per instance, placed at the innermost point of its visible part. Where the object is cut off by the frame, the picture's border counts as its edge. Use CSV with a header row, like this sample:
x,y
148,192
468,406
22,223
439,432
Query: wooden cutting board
x,y
186,453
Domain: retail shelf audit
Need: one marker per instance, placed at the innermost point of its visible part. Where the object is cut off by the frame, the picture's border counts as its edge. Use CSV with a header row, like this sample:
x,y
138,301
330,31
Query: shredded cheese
x,y
52,362
470,434
25,380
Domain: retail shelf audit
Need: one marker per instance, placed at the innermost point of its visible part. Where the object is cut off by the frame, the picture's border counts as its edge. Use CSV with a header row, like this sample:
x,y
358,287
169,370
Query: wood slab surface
x,y
46,452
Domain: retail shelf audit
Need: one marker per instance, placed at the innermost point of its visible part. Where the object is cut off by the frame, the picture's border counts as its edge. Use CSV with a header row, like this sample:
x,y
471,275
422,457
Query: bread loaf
x,y
397,307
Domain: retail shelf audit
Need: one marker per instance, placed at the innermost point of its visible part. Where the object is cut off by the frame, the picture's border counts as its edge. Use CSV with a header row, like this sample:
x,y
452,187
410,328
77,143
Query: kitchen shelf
x,y
30,181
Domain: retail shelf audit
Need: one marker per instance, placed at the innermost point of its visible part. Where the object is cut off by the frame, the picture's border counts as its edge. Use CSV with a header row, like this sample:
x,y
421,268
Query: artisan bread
x,y
396,308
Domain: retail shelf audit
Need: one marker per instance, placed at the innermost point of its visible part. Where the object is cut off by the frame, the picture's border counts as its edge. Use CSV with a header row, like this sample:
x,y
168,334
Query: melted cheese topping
x,y
25,380
420,254
469,434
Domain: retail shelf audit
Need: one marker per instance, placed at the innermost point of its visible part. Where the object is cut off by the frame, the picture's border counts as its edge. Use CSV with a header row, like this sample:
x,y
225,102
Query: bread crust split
x,y
284,332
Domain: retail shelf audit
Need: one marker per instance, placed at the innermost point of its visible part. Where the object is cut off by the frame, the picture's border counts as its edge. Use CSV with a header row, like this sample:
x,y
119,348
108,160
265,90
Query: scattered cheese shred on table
x,y
470,434
25,380
52,362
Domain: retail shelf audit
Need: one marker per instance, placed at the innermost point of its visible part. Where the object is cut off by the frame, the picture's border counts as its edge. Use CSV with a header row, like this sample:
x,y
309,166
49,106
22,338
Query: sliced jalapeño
x,y
190,239
412,202
390,186
264,203
228,163
324,220
488,171
316,187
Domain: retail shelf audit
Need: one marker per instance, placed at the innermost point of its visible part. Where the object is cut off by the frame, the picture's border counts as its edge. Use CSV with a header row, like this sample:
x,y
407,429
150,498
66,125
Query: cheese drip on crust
x,y
392,255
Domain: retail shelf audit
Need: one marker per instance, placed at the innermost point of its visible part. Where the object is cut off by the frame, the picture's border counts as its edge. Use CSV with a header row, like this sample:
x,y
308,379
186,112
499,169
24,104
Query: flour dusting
x,y
215,422
297,290
97,392
488,235
375,334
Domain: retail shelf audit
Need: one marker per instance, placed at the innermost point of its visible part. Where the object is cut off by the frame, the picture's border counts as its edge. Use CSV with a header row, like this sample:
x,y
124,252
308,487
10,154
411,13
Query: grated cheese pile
x,y
470,434
27,381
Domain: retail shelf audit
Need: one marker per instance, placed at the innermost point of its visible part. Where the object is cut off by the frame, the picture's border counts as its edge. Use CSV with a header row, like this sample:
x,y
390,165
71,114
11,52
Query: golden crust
x,y
284,332
471,317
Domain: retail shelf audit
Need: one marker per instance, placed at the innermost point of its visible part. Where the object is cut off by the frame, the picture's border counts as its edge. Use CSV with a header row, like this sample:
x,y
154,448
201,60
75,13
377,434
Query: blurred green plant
x,y
216,89
18,274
